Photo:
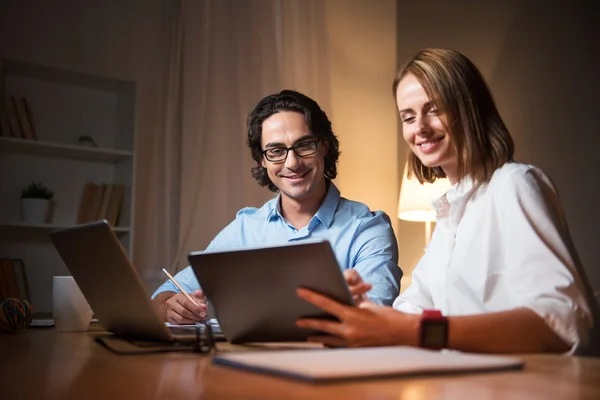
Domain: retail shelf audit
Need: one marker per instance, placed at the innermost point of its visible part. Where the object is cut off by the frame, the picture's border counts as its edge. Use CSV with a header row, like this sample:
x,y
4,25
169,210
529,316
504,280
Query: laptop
x,y
110,283
253,291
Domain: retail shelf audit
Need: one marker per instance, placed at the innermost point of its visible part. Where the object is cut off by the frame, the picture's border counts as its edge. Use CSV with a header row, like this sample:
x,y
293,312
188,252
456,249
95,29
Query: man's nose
x,y
292,160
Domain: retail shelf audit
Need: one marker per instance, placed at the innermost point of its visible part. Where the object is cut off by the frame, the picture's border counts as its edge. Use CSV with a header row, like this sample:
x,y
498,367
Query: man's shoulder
x,y
360,211
256,213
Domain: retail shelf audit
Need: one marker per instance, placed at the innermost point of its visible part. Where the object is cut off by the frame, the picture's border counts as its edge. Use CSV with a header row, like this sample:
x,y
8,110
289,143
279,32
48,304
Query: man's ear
x,y
324,147
263,162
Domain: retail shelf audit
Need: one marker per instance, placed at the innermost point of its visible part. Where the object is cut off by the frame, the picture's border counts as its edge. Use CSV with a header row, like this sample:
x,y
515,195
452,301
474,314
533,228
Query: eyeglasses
x,y
205,340
303,149
198,337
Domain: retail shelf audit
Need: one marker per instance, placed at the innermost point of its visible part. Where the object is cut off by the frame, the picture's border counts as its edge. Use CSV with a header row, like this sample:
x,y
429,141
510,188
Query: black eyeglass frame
x,y
293,148
205,340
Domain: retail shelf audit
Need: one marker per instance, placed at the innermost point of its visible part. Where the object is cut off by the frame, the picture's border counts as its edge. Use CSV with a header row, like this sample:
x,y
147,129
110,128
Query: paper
x,y
337,364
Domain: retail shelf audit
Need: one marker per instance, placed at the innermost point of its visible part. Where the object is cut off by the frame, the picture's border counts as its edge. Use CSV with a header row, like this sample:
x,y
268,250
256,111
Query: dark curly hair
x,y
316,119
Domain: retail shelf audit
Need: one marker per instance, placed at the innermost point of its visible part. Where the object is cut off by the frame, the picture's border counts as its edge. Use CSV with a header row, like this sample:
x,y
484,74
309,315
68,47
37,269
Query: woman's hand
x,y
367,326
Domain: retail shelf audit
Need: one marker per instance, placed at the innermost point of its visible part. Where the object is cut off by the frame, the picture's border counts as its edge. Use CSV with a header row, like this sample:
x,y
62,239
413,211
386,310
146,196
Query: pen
x,y
179,287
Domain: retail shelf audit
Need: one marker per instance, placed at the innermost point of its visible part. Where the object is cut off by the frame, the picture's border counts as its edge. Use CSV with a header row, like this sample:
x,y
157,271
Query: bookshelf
x,y
74,152
64,106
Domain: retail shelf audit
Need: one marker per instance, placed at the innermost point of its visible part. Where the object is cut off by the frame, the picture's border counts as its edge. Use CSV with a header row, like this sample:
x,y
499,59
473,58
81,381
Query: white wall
x,y
541,61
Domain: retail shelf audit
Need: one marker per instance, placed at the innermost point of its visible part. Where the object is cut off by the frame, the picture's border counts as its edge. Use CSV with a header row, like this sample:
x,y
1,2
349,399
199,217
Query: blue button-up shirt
x,y
360,239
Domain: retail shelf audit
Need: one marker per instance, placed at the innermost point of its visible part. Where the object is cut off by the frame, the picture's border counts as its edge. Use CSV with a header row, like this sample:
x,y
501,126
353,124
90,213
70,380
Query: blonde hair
x,y
452,81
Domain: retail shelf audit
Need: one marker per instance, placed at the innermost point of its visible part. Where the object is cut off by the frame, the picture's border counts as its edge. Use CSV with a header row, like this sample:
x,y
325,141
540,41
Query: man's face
x,y
297,178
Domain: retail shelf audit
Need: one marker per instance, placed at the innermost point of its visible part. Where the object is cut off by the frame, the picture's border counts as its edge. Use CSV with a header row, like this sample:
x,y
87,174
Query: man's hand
x,y
176,308
368,326
358,288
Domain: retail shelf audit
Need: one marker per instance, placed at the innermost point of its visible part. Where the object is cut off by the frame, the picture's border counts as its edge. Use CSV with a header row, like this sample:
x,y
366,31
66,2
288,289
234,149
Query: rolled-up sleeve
x,y
376,258
417,297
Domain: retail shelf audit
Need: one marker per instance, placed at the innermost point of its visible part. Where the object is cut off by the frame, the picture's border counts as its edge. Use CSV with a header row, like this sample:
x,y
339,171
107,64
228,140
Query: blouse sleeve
x,y
543,270
417,297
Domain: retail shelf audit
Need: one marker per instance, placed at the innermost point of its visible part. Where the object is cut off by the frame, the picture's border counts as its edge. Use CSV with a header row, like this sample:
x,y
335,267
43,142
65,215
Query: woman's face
x,y
423,127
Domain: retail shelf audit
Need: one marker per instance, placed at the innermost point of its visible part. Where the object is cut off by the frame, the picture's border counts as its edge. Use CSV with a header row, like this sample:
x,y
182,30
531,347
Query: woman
x,y
500,269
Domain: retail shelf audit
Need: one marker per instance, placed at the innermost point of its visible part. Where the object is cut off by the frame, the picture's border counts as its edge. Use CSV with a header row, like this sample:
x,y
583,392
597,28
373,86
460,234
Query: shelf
x,y
118,229
57,75
75,152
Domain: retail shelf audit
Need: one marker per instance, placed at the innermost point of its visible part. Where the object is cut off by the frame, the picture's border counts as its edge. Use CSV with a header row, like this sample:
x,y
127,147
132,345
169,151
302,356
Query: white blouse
x,y
502,246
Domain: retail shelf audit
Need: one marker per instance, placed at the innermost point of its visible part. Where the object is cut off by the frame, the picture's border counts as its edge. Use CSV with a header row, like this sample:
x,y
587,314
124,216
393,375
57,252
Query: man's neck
x,y
299,212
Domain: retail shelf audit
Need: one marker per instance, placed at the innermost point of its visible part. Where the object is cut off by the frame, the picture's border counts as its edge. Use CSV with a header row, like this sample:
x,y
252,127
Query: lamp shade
x,y
415,198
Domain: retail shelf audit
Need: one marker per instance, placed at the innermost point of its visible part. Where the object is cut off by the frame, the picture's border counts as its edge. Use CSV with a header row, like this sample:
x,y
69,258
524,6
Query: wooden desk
x,y
44,364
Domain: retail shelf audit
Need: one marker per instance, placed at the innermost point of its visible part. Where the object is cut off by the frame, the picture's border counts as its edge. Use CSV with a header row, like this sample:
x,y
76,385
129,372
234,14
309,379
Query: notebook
x,y
373,362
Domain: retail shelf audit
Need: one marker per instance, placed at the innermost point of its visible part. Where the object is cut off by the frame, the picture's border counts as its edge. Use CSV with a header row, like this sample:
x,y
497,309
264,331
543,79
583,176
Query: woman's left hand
x,y
370,326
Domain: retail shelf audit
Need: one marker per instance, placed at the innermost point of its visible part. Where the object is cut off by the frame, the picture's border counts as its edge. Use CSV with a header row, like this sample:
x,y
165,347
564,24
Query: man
x,y
296,152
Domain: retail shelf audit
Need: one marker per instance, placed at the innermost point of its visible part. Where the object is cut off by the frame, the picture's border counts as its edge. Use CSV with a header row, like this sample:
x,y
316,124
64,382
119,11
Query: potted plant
x,y
35,203
86,140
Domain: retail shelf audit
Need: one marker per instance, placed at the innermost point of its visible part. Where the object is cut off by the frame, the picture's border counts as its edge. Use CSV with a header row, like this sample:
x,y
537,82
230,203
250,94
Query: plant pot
x,y
35,211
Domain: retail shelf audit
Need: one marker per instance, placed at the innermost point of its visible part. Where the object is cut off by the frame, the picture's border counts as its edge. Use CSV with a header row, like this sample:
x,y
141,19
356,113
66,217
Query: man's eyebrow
x,y
302,139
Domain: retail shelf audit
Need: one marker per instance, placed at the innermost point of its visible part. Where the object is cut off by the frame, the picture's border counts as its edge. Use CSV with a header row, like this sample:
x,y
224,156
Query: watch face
x,y
435,334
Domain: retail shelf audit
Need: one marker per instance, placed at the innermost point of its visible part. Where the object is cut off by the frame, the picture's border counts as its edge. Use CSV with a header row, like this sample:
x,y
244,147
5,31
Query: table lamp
x,y
415,200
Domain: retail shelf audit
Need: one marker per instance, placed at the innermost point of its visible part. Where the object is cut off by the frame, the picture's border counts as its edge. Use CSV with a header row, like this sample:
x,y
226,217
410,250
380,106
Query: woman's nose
x,y
421,125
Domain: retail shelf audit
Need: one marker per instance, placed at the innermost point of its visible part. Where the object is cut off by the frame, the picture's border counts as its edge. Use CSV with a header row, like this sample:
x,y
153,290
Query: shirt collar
x,y
456,197
330,204
324,214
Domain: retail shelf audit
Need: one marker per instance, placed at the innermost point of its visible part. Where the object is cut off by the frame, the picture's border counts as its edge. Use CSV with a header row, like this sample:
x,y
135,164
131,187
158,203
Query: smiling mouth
x,y
302,175
429,143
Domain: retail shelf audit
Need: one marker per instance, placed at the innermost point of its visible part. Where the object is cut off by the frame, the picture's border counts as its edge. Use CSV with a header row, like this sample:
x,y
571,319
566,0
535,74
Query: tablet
x,y
253,291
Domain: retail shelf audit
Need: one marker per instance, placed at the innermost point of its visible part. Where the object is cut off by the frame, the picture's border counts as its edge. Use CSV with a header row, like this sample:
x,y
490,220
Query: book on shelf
x,y
114,208
13,279
13,120
86,199
105,201
4,124
4,290
94,208
101,202
24,116
27,107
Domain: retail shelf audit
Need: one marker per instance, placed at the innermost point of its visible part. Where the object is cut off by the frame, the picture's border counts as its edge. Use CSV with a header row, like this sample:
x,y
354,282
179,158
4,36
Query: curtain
x,y
158,150
223,57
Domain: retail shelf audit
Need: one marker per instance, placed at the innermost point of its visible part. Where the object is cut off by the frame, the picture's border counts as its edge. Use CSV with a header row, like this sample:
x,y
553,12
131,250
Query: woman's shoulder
x,y
515,173
514,177
513,169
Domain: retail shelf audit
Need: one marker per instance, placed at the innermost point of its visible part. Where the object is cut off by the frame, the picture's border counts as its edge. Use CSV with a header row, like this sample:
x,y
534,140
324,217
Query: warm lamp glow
x,y
415,200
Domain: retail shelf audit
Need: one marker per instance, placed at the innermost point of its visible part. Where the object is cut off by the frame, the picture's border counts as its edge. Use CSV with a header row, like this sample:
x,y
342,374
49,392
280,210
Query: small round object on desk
x,y
15,315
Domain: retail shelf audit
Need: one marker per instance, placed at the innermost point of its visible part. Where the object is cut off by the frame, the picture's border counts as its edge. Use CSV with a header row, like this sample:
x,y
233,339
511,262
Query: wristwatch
x,y
434,330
